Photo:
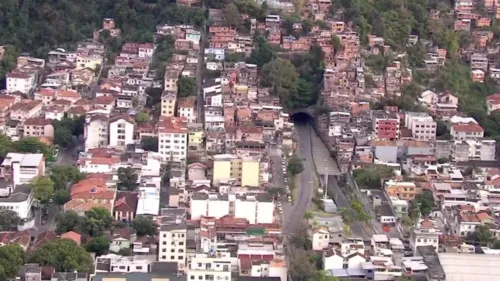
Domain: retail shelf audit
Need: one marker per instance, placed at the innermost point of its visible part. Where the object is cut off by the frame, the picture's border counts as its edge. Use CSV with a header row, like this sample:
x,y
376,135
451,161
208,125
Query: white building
x,y
98,165
29,165
320,238
121,131
186,108
149,201
209,205
122,264
20,82
272,268
172,244
255,208
423,128
173,138
425,234
15,196
96,131
204,268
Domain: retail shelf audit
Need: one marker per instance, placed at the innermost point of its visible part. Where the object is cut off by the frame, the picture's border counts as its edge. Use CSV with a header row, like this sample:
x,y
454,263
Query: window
x,y
172,257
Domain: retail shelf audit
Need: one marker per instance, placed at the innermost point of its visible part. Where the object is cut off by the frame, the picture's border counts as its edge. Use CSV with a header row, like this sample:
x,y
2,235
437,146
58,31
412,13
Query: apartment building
x,y
255,208
186,108
173,137
121,131
386,125
30,166
96,131
172,244
246,171
118,263
168,101
25,109
479,61
422,126
425,234
23,82
38,127
464,131
208,268
14,194
403,190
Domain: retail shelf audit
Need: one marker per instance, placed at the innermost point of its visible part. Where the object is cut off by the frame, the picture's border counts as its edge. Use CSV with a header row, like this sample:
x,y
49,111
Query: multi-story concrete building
x,y
96,131
39,127
464,131
173,138
25,109
479,61
205,268
168,100
172,243
386,125
422,126
117,263
30,166
244,170
121,131
403,190
255,208
186,108
20,82
425,234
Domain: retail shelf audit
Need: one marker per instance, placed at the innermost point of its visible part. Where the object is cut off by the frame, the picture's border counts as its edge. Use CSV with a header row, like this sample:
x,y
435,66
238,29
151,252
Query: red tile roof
x,y
71,235
126,202
470,127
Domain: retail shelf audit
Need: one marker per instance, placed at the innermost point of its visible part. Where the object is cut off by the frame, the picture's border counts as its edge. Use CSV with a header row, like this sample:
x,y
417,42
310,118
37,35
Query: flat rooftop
x,y
473,267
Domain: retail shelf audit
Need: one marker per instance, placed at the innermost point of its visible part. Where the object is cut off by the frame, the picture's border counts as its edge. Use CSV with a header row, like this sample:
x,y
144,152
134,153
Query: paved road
x,y
327,165
296,211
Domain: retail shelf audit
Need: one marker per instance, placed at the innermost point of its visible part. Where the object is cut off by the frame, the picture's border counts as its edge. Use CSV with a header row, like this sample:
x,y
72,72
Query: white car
x,y
289,199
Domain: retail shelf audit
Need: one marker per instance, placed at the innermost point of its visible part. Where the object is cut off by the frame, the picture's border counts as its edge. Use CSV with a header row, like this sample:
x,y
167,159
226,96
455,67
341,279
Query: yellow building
x,y
403,190
245,171
196,136
91,61
250,172
168,100
222,168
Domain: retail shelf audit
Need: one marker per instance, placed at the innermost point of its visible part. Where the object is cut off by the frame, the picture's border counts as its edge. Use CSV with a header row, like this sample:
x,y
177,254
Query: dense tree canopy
x,y
144,225
11,259
127,178
43,188
37,26
149,143
9,220
295,165
64,255
68,221
186,86
97,220
61,175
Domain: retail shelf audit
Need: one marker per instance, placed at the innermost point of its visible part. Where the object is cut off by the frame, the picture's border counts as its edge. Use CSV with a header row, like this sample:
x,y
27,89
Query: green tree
x,y
262,53
141,117
61,175
61,197
127,179
9,220
295,165
337,45
43,188
426,200
11,259
98,245
144,225
97,220
68,221
482,235
186,86
232,16
300,269
126,252
64,255
63,137
149,143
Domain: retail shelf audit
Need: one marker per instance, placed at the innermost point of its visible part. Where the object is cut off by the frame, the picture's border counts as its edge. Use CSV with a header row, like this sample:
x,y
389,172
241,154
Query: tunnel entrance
x,y
302,118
